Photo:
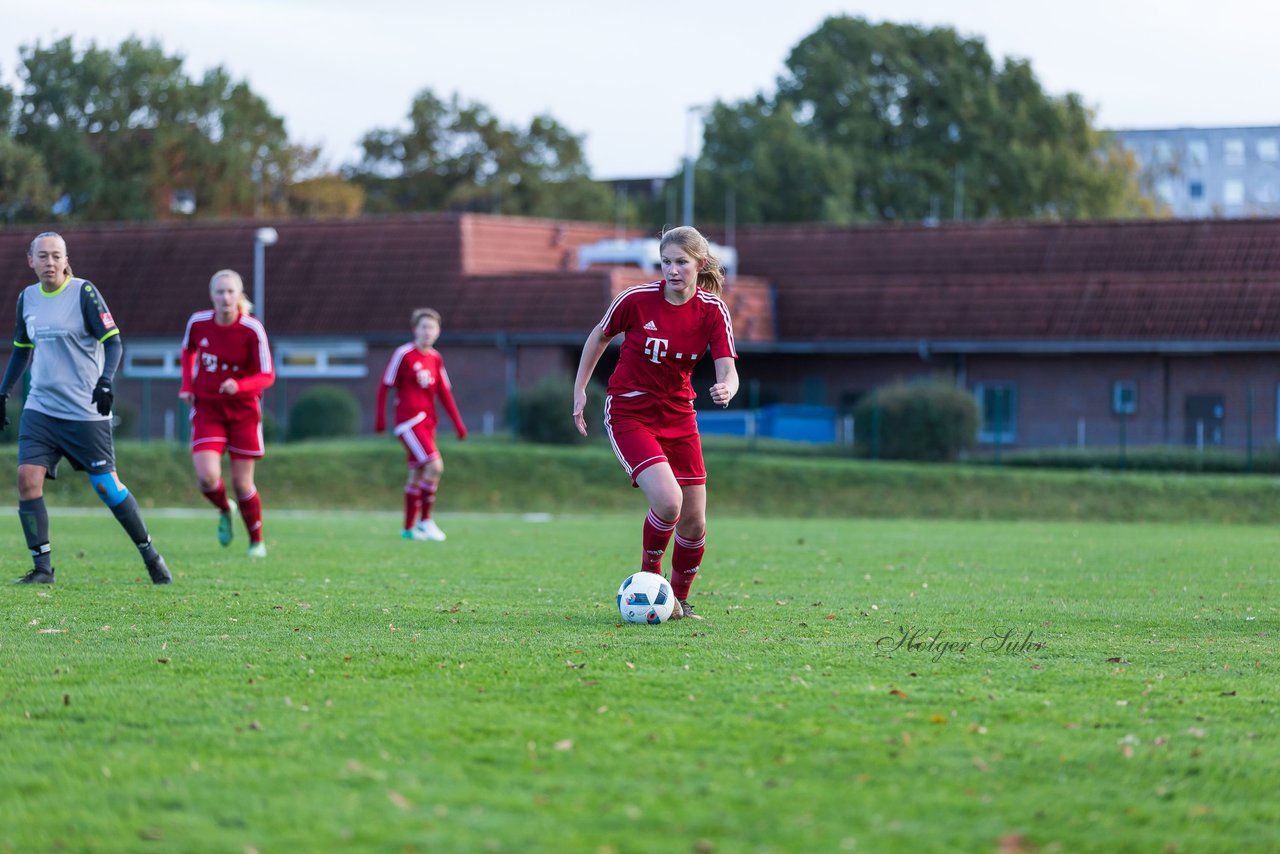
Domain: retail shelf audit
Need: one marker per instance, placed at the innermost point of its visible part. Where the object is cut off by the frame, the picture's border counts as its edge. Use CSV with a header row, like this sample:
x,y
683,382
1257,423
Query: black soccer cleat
x,y
37,576
686,611
157,569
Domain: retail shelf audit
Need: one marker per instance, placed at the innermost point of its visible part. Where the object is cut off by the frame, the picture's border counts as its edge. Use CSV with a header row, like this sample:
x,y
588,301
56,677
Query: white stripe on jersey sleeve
x,y
613,306
264,351
192,321
724,312
393,366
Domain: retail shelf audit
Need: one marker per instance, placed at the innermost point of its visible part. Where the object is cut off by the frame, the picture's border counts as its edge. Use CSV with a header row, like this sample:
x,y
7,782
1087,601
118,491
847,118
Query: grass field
x,y
857,686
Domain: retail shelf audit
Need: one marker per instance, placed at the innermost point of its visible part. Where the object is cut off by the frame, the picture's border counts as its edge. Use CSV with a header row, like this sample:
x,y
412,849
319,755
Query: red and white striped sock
x,y
686,557
217,496
657,533
251,512
428,498
412,506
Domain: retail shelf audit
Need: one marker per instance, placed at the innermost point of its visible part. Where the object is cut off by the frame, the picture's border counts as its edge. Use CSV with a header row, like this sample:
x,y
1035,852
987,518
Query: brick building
x,y
1067,333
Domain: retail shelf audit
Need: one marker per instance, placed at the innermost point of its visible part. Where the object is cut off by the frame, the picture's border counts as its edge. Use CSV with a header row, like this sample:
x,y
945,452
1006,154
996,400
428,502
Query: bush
x,y
324,412
270,427
543,412
124,420
927,421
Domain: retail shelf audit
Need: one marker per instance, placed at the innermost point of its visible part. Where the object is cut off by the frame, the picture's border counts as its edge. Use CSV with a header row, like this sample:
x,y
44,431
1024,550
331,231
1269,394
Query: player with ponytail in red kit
x,y
226,365
416,372
667,327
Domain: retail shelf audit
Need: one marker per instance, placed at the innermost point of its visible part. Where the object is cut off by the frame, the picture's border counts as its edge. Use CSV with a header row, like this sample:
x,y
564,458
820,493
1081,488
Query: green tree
x,y
121,129
26,194
457,155
896,122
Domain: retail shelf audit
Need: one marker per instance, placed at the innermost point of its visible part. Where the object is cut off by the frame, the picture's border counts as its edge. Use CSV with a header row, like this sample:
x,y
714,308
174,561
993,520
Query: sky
x,y
624,75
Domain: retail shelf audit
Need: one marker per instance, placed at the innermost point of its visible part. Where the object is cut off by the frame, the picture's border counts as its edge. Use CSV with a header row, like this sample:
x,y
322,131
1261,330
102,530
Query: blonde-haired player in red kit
x,y
416,372
667,327
226,365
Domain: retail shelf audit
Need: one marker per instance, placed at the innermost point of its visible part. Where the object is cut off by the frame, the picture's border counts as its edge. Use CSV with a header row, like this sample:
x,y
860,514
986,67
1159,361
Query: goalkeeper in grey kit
x,y
66,333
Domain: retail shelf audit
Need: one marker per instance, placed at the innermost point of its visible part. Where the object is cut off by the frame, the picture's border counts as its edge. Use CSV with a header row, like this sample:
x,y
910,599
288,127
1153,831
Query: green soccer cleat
x,y
226,526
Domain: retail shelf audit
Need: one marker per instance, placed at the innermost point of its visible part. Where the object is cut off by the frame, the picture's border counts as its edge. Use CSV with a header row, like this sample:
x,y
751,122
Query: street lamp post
x,y
694,110
265,237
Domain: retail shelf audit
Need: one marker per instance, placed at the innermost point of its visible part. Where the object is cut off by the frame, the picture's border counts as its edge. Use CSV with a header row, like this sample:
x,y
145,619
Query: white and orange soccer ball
x,y
646,597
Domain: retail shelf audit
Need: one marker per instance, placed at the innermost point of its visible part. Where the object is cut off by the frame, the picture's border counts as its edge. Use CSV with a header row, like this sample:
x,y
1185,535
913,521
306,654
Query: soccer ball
x,y
646,597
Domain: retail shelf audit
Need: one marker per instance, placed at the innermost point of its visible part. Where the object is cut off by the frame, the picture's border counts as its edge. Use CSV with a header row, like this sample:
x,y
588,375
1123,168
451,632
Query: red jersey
x,y
663,342
212,354
418,379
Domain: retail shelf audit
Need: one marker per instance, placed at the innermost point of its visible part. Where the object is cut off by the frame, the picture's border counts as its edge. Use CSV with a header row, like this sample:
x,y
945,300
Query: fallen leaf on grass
x,y
52,631
937,718
1116,660
1014,843
564,744
980,765
1227,694
1196,731
398,800
901,695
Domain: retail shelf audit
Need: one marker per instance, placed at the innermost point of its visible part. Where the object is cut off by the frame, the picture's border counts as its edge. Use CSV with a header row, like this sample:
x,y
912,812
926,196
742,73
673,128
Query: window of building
x,y
1195,189
1198,152
1164,151
1124,397
998,406
143,360
321,358
305,358
1233,191
1233,152
1269,149
1164,190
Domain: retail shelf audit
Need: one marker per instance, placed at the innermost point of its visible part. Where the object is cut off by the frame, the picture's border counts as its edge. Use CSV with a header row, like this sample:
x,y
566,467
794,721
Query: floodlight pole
x,y
694,110
261,240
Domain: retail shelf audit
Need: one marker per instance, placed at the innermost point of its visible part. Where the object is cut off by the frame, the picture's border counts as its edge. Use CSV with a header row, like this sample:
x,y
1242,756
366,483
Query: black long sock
x,y
131,520
35,527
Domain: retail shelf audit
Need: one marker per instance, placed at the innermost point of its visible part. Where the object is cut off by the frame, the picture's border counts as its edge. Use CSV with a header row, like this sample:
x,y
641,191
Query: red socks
x,y
686,557
251,512
657,533
428,498
412,506
218,496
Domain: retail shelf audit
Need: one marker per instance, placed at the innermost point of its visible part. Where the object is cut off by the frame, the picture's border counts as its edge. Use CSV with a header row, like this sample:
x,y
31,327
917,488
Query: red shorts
x,y
645,430
233,424
419,440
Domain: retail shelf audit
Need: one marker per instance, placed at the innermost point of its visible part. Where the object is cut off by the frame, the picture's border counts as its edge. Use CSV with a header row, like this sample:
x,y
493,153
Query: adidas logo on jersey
x,y
651,327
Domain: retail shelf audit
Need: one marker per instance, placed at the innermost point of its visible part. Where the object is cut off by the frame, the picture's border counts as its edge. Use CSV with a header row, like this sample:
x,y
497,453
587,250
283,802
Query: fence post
x,y
875,430
1124,420
1248,431
1080,433
144,421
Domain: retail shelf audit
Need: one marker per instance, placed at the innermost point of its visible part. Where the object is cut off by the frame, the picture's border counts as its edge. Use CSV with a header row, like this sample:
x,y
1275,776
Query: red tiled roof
x,y
1171,279
1207,280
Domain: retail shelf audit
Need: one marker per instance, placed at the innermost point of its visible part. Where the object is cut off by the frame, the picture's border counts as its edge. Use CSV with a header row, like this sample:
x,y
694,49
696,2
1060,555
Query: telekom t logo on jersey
x,y
656,348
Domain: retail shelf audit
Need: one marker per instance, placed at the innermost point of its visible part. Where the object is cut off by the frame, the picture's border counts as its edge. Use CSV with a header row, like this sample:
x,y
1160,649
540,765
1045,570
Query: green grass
x,y
360,692
500,476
